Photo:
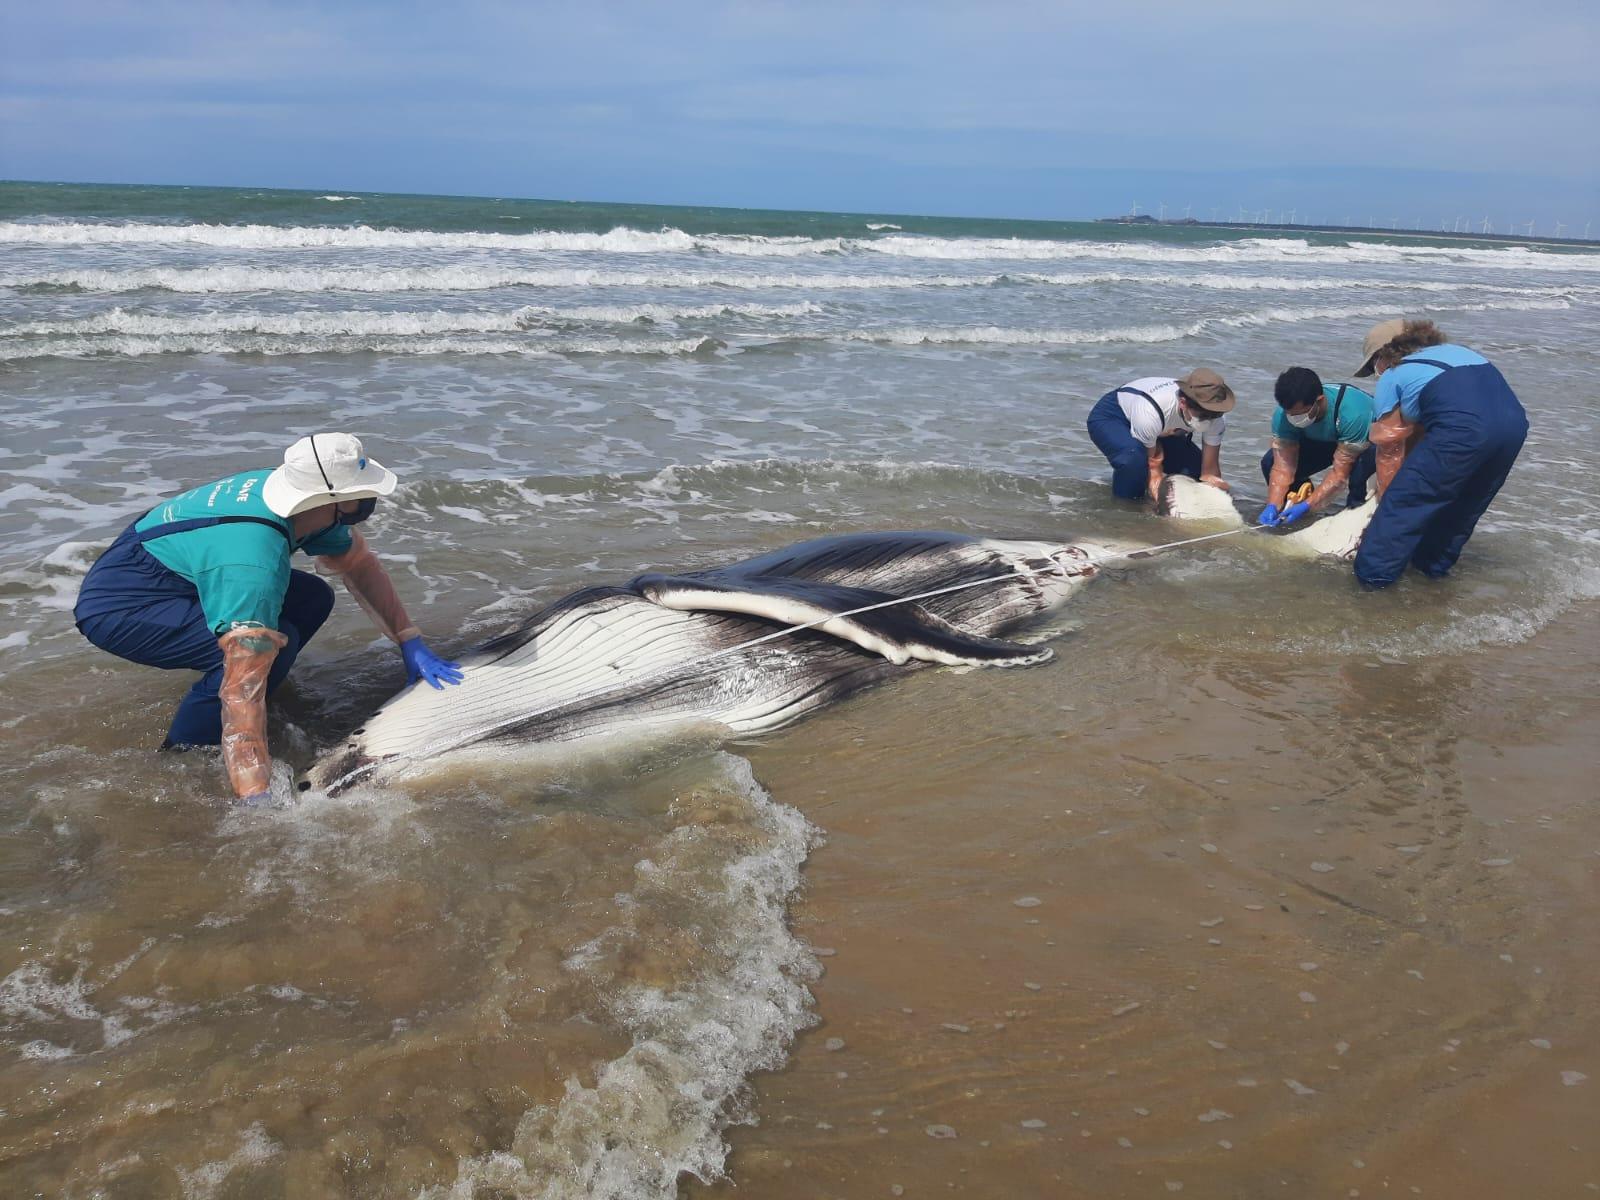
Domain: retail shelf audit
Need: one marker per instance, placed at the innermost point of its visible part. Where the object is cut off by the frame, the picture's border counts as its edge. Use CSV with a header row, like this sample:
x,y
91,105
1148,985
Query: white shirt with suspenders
x,y
1151,406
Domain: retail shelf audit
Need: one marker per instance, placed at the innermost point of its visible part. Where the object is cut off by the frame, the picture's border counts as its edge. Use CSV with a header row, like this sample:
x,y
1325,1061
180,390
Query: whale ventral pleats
x,y
747,648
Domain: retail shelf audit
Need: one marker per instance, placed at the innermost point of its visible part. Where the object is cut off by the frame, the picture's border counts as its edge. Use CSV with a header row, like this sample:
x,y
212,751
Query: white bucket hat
x,y
324,468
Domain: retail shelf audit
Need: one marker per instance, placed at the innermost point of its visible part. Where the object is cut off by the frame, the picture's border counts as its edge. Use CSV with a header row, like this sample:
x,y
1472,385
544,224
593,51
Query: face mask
x,y
1200,425
363,511
1299,421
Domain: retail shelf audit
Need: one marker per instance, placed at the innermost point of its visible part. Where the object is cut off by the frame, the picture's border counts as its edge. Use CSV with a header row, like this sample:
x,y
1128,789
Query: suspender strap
x,y
1160,416
160,531
1429,362
1338,400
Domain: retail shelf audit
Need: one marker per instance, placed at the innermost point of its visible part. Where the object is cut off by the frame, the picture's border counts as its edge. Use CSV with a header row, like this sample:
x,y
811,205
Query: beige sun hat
x,y
1206,389
1379,336
325,468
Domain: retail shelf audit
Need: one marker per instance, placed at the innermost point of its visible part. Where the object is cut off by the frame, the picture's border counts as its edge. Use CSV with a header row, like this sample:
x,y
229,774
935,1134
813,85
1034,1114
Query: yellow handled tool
x,y
1303,492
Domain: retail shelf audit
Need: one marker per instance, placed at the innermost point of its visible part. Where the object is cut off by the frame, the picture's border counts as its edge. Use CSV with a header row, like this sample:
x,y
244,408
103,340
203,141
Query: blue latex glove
x,y
1294,512
1269,515
422,663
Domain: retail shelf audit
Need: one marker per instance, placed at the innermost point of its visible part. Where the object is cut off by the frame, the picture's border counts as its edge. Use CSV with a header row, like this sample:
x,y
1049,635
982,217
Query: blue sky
x,y
1351,109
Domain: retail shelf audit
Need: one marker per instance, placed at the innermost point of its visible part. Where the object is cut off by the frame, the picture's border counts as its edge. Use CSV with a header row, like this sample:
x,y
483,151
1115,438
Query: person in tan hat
x,y
1146,431
1432,491
203,582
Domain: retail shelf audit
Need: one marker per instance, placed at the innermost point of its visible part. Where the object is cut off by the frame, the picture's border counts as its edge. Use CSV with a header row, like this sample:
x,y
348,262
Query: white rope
x,y
1142,552
1091,561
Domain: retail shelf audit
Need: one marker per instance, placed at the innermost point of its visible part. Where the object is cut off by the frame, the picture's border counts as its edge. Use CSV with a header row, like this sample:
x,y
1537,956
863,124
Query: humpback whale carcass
x,y
671,649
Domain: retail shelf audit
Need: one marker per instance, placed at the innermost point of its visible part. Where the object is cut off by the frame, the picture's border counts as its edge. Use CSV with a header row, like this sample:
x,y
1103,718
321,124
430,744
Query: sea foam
x,y
658,1112
623,240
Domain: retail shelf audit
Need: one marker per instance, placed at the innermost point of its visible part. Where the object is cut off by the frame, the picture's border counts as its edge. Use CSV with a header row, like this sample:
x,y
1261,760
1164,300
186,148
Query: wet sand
x,y
1303,927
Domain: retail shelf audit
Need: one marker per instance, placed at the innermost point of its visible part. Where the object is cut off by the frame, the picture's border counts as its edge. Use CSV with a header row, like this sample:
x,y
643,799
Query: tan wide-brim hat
x,y
1379,336
325,468
1207,389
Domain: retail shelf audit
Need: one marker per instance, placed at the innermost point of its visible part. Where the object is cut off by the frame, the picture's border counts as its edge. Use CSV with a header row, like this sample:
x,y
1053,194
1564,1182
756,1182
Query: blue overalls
x,y
1111,433
136,607
1474,427
1318,456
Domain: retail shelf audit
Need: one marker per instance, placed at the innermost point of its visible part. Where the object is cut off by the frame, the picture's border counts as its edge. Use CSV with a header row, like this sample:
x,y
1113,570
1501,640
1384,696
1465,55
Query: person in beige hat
x,y
1146,431
204,582
1447,428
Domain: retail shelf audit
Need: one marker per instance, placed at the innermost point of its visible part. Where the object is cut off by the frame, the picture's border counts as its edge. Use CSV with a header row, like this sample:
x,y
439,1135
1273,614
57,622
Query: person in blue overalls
x,y
1146,431
203,582
1317,427
1471,427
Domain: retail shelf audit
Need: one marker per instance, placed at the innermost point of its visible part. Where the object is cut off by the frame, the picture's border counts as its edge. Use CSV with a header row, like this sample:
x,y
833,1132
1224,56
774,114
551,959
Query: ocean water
x,y
568,975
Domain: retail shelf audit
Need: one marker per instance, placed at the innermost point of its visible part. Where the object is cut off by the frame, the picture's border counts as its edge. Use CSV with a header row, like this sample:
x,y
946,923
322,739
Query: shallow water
x,y
556,974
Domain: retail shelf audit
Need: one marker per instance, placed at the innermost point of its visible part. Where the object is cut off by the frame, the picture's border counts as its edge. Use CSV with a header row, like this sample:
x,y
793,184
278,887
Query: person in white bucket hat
x,y
203,582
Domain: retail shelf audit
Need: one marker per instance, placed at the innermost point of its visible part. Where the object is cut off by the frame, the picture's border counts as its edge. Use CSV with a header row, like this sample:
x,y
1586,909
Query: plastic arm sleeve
x,y
247,654
366,580
1285,461
1390,435
1344,460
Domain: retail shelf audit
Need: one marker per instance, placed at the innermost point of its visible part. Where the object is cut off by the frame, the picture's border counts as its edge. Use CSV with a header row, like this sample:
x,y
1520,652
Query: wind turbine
x,y
1487,228
1586,225
1530,228
1214,216
1559,227
1186,209
1134,211
1163,215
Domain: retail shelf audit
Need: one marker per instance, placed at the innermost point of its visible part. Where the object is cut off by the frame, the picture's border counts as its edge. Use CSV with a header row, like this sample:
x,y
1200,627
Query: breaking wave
x,y
891,242
659,1110
124,345
366,322
538,331
362,237
992,335
239,279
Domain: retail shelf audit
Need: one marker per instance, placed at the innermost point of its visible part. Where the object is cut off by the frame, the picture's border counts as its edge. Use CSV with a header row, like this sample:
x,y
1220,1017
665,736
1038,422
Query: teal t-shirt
x,y
240,570
1355,418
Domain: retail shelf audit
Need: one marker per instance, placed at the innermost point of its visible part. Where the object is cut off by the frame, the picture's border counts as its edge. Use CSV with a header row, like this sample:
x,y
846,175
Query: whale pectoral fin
x,y
899,630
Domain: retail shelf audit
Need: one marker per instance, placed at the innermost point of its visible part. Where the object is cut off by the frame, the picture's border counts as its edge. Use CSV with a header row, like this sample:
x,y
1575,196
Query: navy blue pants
x,y
134,606
1318,456
1474,428
1130,470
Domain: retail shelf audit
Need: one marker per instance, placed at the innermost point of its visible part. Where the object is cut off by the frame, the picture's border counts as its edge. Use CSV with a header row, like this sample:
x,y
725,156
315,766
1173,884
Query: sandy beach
x,y
1289,929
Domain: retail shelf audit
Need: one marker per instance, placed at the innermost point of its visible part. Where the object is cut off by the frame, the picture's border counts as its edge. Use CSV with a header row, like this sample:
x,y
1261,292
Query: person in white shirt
x,y
1146,431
